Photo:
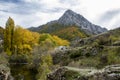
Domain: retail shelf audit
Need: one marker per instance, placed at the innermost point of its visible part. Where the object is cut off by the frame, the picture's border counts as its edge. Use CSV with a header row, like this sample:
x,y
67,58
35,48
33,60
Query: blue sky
x,y
27,13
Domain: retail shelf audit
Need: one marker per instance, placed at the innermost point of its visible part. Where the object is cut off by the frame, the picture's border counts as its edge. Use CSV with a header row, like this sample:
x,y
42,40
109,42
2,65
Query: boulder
x,y
5,72
57,74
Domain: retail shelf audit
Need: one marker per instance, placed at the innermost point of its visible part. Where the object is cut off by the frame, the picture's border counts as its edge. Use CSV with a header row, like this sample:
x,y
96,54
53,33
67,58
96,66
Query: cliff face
x,y
111,72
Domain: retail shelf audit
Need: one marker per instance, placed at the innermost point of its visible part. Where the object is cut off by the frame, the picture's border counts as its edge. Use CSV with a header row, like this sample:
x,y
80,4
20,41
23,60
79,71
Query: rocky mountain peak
x,y
72,18
68,18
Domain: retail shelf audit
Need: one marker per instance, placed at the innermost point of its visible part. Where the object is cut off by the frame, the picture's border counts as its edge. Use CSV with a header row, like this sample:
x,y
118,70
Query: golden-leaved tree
x,y
24,40
18,40
8,36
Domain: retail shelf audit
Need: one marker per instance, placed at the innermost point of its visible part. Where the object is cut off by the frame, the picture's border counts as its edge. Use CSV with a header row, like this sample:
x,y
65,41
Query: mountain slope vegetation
x,y
66,32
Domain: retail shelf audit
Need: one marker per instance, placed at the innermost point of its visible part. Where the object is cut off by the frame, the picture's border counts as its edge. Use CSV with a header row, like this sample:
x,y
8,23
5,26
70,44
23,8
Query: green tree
x,y
8,36
45,65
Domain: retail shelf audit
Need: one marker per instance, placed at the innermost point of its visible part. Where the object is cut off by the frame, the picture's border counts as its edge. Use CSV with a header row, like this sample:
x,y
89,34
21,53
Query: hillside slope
x,y
96,51
109,38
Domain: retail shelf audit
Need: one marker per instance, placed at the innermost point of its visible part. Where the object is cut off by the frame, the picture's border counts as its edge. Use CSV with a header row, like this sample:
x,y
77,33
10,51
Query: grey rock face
x,y
72,18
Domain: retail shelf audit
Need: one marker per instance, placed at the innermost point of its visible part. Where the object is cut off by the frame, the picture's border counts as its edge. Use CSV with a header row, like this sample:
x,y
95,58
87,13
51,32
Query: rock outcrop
x,y
58,74
111,72
5,73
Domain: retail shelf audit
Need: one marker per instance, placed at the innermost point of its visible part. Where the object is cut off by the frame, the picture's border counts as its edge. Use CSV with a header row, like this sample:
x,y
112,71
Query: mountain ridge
x,y
70,18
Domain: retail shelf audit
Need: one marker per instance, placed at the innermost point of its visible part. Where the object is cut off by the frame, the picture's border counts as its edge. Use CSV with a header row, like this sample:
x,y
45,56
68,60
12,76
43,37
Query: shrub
x,y
44,67
75,54
71,75
114,56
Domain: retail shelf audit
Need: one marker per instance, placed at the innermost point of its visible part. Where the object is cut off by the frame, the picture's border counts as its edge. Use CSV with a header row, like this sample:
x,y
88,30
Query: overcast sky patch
x,y
109,15
29,13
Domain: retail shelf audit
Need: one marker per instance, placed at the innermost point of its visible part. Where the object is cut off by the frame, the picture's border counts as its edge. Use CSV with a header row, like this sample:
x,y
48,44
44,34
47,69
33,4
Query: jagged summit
x,y
70,17
69,12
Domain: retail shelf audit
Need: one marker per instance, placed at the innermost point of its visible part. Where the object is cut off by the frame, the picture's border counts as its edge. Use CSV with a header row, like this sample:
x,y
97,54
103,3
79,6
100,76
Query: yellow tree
x,y
53,40
60,42
8,36
25,40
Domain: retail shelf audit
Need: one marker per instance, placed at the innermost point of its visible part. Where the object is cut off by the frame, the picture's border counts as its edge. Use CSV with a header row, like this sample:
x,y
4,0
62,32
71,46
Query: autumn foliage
x,y
70,33
52,40
21,41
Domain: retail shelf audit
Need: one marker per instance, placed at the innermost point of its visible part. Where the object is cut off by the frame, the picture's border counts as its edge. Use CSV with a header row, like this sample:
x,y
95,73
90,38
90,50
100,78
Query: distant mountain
x,y
70,19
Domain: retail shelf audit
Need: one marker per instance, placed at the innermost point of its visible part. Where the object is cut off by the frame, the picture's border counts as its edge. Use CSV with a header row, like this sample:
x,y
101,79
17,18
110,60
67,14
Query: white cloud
x,y
37,12
95,8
